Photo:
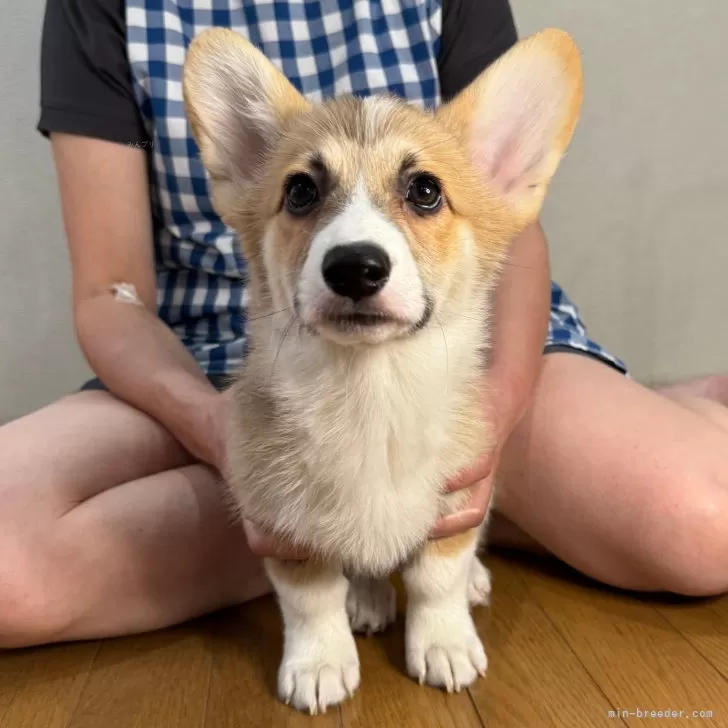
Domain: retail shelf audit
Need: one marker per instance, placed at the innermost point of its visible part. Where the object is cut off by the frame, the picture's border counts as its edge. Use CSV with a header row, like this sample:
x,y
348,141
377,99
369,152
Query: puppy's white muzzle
x,y
360,283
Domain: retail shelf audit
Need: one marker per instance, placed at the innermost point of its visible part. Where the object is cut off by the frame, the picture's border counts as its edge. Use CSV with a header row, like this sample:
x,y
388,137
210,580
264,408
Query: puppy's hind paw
x,y
479,584
371,605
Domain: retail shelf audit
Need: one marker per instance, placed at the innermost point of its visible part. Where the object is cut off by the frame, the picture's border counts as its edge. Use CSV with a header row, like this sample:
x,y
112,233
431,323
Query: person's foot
x,y
713,387
706,396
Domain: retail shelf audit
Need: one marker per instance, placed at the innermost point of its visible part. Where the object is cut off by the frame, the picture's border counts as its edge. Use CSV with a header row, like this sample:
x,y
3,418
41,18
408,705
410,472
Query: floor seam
x,y
73,712
570,648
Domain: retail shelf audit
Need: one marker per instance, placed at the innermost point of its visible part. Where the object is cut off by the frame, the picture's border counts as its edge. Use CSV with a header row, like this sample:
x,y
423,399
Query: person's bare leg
x,y
622,483
108,528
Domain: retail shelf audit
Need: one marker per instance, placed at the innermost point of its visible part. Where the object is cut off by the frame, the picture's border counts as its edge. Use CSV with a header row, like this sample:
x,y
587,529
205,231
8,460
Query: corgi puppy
x,y
374,233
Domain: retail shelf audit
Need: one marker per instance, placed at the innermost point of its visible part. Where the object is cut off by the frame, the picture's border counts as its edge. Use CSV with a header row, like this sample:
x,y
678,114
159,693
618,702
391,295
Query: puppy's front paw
x,y
479,584
444,650
315,675
371,605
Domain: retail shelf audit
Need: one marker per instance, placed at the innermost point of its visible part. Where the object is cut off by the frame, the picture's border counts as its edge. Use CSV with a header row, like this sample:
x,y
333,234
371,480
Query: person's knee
x,y
690,557
32,612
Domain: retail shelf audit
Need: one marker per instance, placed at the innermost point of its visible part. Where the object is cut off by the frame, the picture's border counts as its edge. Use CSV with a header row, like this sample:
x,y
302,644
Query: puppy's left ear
x,y
236,101
517,118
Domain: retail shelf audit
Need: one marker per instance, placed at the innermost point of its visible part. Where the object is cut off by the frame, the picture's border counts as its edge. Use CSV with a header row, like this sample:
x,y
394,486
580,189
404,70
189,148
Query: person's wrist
x,y
210,432
195,413
221,416
509,398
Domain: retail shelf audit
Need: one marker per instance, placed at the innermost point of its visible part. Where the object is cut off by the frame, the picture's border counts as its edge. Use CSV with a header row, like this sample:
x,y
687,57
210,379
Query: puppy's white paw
x,y
479,584
315,675
444,650
371,605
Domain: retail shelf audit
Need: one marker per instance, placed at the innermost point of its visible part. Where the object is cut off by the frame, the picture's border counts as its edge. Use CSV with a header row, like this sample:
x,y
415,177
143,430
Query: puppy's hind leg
x,y
479,584
371,605
320,665
442,645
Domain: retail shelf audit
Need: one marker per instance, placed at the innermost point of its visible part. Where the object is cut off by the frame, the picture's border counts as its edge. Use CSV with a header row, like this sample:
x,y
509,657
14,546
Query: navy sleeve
x,y
86,85
474,34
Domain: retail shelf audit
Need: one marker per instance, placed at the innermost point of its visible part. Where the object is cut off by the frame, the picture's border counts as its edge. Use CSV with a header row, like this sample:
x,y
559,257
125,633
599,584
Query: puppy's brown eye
x,y
424,193
301,194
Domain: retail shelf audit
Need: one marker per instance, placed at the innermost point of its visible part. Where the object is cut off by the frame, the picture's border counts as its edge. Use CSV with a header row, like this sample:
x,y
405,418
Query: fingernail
x,y
252,534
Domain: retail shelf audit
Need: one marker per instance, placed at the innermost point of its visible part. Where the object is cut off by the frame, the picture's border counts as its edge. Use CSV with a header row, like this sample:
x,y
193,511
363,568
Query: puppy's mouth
x,y
358,295
356,320
372,326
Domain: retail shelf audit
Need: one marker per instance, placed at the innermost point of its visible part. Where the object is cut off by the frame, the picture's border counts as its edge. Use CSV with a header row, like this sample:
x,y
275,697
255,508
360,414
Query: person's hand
x,y
204,426
479,477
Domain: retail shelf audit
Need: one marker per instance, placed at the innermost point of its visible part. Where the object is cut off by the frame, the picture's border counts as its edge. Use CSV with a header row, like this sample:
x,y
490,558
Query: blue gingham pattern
x,y
325,48
566,328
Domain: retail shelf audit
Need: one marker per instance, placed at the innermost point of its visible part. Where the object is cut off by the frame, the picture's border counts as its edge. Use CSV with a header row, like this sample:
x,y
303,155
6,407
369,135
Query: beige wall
x,y
38,356
635,219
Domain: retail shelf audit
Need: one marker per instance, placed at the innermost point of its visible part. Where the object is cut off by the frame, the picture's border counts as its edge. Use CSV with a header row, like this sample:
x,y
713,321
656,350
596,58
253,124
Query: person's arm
x,y
100,146
520,325
105,204
475,33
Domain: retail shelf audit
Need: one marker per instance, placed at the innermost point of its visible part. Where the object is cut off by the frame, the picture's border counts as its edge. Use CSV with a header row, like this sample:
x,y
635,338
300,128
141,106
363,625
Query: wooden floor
x,y
563,653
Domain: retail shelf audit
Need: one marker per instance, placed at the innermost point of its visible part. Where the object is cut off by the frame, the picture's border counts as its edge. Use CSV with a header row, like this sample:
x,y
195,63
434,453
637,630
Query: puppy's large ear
x,y
517,118
236,101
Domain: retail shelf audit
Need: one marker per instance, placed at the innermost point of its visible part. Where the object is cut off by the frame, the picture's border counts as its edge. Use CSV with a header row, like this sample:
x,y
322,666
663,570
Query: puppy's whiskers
x,y
280,345
268,315
346,377
508,264
447,354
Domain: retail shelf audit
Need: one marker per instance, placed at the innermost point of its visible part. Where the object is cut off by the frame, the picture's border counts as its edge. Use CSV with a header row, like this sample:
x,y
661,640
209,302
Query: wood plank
x,y
534,678
389,697
705,626
246,644
562,652
157,679
13,667
638,659
719,606
40,688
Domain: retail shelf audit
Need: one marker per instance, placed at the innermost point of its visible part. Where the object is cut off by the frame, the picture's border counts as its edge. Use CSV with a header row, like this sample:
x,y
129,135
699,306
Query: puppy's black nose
x,y
356,270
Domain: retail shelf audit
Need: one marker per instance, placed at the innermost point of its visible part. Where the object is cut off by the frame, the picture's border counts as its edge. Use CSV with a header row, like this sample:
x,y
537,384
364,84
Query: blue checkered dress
x,y
325,48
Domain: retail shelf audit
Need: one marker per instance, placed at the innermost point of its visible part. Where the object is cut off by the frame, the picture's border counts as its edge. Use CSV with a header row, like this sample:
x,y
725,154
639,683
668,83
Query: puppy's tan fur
x,y
343,446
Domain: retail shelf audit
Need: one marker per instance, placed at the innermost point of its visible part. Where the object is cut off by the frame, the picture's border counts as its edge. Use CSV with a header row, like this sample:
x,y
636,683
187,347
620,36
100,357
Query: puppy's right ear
x,y
518,116
236,101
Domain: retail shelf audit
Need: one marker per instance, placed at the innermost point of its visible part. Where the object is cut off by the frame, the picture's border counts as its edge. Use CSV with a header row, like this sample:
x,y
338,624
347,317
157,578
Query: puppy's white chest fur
x,y
352,455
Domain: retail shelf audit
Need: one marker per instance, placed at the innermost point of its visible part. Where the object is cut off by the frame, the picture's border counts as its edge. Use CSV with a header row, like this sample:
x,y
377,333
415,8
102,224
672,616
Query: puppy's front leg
x,y
320,665
443,647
